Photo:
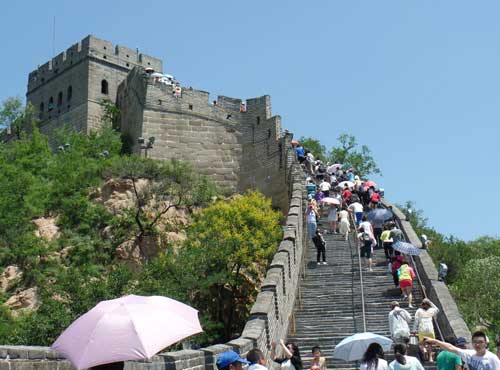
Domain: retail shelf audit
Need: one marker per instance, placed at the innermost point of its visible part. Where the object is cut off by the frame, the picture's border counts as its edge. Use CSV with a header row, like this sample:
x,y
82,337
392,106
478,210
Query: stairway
x,y
330,306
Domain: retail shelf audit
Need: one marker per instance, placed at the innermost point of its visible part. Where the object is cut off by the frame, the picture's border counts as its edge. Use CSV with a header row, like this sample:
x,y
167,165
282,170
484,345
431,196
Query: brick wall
x,y
238,150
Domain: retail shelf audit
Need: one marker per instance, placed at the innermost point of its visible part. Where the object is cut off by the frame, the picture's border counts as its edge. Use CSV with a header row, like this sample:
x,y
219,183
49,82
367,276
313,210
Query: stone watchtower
x,y
69,88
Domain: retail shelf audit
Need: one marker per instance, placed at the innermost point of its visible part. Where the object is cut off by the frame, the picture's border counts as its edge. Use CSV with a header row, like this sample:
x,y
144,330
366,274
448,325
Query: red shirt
x,y
346,195
375,198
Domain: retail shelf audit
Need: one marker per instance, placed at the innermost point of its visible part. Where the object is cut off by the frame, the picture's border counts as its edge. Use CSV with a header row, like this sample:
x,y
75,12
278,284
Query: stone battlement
x,y
91,47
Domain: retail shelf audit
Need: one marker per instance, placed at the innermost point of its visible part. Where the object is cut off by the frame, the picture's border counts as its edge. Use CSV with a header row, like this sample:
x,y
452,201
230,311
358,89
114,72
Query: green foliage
x,y
477,289
171,184
228,248
217,270
348,152
17,117
314,146
12,110
351,156
473,270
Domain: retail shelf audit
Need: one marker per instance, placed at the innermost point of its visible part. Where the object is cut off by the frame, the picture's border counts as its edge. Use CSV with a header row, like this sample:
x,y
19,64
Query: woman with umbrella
x,y
373,359
406,276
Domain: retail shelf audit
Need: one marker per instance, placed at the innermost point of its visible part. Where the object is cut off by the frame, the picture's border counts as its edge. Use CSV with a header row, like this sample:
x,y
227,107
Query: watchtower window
x,y
258,120
70,92
42,108
190,106
59,99
104,87
51,103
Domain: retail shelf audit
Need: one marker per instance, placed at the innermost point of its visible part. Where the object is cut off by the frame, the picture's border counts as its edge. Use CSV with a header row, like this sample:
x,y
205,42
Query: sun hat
x,y
229,357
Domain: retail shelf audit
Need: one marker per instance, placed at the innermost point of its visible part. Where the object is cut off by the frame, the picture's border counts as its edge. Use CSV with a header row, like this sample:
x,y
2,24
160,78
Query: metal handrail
x,y
361,283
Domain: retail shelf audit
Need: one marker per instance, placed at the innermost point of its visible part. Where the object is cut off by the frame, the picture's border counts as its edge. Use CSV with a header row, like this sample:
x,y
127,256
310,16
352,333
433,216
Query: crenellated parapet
x,y
97,49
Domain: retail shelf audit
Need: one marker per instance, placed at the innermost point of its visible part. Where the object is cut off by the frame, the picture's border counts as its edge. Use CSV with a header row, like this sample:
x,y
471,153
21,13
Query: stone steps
x,y
330,307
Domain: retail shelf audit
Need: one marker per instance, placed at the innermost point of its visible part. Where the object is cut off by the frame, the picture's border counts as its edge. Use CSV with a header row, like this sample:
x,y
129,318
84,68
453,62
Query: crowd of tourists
x,y
339,195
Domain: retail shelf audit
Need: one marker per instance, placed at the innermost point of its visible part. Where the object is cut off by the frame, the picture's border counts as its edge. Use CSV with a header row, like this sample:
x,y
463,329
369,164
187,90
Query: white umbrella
x,y
349,184
353,347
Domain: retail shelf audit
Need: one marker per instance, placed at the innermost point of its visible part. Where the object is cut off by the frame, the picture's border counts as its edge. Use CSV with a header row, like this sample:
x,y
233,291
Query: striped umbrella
x,y
406,248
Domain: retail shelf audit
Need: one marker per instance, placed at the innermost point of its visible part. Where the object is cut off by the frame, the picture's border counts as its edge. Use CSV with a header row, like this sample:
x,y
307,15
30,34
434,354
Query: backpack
x,y
365,237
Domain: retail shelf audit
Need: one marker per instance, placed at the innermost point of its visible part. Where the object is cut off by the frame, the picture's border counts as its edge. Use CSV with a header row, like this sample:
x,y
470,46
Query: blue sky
x,y
418,82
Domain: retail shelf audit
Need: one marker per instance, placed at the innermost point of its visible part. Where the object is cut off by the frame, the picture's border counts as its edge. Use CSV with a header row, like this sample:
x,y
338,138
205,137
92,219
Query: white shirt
x,y
366,227
311,216
398,322
344,215
489,361
257,367
423,319
412,363
356,207
381,365
325,186
287,365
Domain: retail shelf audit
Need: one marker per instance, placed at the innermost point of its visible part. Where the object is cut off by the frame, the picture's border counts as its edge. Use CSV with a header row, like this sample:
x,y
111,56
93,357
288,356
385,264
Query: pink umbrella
x,y
369,184
329,200
128,328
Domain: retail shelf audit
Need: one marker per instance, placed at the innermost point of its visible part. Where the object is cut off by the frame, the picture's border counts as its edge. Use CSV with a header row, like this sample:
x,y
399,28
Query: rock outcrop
x,y
25,300
9,276
46,228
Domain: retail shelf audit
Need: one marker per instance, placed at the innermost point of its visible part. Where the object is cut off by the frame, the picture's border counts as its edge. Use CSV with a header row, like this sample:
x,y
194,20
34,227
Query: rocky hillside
x,y
86,223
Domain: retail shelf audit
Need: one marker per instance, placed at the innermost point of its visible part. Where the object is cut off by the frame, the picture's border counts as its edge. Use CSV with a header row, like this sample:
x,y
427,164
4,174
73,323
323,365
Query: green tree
x,y
314,146
476,290
229,246
159,186
16,117
351,156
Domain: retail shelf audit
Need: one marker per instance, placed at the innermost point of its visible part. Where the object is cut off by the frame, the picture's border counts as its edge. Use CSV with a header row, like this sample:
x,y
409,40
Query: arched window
x,y
59,98
70,93
51,103
104,87
42,108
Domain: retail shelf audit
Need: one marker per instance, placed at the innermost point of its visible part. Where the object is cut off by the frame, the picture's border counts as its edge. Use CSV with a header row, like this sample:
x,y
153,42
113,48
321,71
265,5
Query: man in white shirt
x,y
398,323
478,358
357,209
325,186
